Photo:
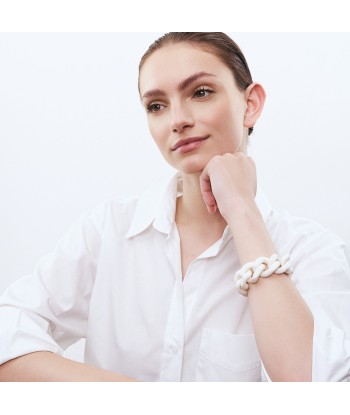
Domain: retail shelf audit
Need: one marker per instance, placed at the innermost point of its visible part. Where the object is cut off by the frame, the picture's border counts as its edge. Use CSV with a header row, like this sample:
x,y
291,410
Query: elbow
x,y
288,373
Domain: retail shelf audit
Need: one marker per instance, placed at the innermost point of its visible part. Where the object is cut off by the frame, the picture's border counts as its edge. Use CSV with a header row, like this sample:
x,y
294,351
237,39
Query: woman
x,y
155,284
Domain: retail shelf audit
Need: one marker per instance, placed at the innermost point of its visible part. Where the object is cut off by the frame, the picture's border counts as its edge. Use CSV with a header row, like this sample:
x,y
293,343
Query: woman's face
x,y
194,109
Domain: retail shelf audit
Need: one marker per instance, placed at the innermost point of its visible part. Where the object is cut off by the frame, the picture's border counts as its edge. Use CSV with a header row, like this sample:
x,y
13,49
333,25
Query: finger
x,y
207,193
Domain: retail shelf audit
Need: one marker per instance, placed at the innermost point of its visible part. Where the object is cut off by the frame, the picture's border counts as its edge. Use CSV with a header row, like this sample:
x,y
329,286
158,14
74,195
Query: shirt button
x,y
173,349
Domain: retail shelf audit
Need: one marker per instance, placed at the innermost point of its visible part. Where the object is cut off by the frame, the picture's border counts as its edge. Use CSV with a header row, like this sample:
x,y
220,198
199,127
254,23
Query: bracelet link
x,y
261,267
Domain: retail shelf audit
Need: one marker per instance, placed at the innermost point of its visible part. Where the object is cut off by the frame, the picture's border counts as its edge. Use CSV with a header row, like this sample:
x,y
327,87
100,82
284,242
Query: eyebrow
x,y
181,86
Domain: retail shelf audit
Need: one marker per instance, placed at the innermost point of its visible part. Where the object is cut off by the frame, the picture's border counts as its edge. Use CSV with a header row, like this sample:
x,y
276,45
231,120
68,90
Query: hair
x,y
217,43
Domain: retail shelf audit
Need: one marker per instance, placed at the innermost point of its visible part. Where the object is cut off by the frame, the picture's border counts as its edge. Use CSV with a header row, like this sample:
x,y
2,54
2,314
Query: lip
x,y
189,140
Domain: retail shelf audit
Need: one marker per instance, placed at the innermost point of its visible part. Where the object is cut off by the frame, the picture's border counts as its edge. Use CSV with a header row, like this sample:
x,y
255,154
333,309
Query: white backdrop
x,y
73,132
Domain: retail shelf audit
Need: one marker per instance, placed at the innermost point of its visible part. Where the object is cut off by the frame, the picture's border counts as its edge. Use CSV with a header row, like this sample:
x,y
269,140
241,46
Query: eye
x,y
154,107
202,92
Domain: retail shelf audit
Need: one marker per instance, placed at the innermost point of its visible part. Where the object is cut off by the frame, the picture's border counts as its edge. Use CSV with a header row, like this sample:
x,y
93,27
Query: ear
x,y
255,99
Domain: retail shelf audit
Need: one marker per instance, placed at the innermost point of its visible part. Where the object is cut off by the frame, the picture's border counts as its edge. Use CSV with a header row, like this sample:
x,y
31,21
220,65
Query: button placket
x,y
171,367
191,286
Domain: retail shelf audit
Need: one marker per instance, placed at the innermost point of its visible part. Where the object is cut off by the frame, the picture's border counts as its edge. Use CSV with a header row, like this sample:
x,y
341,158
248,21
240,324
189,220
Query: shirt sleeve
x,y
48,310
323,279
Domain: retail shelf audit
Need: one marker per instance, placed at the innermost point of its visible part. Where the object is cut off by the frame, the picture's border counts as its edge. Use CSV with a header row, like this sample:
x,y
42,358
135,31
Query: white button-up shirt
x,y
115,280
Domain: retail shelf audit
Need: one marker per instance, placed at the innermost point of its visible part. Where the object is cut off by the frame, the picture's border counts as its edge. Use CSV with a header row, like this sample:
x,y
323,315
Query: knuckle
x,y
216,159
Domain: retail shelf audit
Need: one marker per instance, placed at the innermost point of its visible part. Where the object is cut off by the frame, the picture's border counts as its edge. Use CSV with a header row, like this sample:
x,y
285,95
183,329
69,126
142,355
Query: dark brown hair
x,y
217,43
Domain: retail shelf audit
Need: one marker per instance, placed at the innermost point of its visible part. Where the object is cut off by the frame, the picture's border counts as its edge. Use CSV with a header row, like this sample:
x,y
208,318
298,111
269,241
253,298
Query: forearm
x,y
50,367
283,323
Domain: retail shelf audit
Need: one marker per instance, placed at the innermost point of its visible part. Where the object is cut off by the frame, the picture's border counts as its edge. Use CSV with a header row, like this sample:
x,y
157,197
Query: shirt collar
x,y
158,206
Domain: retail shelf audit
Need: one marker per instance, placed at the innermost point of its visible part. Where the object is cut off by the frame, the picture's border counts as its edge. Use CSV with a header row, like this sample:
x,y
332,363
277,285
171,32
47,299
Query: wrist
x,y
249,231
241,212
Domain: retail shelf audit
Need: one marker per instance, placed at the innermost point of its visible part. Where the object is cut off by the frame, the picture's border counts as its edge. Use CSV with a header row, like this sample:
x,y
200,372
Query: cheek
x,y
227,120
215,116
218,118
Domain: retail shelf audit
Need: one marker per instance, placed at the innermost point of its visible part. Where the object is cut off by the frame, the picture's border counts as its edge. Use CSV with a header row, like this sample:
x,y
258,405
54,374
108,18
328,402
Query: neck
x,y
191,208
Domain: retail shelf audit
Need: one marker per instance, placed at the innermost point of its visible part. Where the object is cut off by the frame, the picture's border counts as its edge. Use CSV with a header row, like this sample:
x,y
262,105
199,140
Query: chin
x,y
192,165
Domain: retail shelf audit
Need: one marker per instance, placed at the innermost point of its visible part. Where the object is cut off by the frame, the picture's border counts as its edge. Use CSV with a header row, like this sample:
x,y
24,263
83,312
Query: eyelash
x,y
150,107
203,89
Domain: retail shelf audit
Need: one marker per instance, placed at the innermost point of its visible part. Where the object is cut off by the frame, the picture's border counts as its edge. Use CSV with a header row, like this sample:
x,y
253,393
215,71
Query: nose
x,y
181,118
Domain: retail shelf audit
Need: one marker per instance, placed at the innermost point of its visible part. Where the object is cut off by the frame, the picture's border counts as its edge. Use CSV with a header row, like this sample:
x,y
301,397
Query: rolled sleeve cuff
x,y
331,354
24,332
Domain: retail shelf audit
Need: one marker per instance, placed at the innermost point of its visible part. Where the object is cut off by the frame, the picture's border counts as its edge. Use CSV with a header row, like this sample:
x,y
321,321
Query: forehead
x,y
172,63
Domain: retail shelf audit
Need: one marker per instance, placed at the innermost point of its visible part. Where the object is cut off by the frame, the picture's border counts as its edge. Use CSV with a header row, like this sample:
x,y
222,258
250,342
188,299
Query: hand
x,y
228,181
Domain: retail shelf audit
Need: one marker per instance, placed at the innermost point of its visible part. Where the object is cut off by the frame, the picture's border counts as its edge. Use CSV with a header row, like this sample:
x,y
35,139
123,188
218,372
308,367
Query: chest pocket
x,y
228,357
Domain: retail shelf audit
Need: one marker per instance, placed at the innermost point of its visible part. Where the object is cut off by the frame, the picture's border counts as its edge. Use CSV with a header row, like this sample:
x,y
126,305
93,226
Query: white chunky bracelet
x,y
261,267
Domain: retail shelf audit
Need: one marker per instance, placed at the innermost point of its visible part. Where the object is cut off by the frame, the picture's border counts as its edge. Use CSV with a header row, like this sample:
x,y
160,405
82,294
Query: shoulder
x,y
299,233
126,215
317,253
114,211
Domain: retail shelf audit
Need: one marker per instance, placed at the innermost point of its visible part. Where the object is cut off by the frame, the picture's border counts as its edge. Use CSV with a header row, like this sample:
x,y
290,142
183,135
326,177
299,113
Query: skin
x,y
219,188
50,367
